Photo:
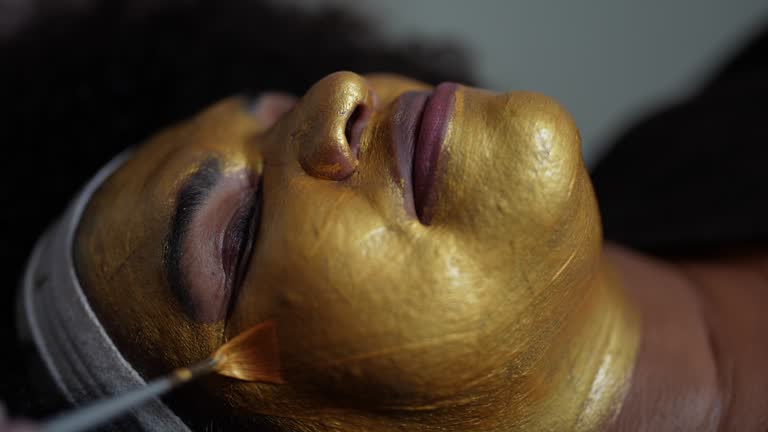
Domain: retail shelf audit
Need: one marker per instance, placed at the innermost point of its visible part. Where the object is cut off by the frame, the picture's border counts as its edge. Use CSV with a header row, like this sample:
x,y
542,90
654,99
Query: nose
x,y
334,112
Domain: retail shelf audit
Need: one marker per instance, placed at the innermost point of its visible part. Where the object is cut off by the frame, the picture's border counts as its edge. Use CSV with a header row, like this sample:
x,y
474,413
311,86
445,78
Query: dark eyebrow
x,y
189,199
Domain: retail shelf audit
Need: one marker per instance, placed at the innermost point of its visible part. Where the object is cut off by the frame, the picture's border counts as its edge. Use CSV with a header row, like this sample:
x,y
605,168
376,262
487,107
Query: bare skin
x,y
701,365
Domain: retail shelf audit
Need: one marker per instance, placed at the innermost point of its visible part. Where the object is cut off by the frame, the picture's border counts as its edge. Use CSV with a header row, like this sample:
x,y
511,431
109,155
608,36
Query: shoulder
x,y
703,349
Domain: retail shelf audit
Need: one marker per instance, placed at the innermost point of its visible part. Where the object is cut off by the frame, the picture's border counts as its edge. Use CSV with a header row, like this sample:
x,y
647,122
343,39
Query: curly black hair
x,y
78,87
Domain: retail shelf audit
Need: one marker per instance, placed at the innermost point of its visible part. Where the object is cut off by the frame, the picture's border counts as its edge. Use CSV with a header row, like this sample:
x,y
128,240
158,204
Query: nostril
x,y
354,128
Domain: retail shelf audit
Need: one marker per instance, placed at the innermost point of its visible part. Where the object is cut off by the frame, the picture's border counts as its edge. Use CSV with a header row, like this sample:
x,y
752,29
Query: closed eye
x,y
210,239
238,242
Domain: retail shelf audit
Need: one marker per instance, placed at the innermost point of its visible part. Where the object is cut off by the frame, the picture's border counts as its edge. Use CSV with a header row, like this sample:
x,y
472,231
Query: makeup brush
x,y
250,356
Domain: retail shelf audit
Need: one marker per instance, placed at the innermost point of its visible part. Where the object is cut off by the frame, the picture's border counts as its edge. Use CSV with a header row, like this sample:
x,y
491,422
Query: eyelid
x,y
207,281
247,230
191,196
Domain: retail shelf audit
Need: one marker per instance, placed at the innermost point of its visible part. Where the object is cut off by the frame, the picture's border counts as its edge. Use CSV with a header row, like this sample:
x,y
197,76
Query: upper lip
x,y
419,124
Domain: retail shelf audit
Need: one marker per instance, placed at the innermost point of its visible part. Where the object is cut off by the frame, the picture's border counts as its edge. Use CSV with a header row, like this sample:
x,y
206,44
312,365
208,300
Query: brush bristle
x,y
253,355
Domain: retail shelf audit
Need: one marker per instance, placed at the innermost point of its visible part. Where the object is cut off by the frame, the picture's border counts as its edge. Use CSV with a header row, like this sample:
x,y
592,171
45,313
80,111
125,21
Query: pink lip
x,y
420,121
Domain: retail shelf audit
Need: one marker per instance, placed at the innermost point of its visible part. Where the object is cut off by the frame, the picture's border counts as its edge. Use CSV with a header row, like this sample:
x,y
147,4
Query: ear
x,y
268,107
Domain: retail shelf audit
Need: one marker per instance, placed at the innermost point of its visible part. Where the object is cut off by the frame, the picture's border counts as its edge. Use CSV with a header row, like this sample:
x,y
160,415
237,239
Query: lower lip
x,y
428,145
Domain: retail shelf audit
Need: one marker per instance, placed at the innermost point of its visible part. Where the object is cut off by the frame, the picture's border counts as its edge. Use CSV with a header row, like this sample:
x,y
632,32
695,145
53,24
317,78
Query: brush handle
x,y
100,412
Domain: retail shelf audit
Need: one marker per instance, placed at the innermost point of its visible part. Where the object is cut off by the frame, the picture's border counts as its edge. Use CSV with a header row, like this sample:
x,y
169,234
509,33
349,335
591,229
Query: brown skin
x,y
703,353
502,314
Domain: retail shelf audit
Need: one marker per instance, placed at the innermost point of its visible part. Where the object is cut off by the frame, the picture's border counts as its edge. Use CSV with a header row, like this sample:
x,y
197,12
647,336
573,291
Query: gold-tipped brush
x,y
252,355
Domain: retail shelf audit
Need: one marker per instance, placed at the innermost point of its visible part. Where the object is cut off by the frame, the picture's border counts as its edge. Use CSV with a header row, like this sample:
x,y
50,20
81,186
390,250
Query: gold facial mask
x,y
432,260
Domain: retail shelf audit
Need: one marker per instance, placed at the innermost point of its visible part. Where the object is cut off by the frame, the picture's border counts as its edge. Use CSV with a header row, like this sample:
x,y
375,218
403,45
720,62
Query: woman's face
x,y
417,247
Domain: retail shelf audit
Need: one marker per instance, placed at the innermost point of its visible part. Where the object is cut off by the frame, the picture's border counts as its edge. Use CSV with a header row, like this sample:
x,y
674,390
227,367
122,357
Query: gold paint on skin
x,y
121,240
500,315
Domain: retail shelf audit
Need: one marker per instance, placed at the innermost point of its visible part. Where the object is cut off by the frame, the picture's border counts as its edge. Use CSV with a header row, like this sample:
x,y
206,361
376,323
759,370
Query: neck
x,y
698,367
585,375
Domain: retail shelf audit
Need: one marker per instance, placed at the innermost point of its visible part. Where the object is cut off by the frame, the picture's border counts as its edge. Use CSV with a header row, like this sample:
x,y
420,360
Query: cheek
x,y
334,273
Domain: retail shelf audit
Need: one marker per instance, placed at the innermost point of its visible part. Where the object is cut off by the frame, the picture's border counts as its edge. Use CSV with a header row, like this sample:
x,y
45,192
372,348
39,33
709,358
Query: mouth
x,y
420,121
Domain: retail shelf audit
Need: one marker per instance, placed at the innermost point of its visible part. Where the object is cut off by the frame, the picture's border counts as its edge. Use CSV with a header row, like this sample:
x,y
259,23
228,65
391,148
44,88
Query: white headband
x,y
53,312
